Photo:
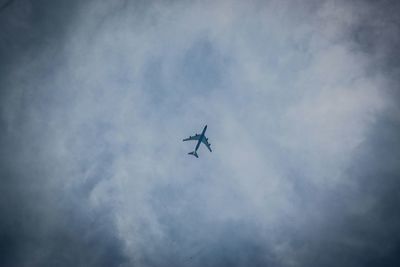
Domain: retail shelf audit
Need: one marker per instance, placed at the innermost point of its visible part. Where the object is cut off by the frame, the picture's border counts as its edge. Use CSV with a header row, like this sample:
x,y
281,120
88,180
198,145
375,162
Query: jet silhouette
x,y
201,138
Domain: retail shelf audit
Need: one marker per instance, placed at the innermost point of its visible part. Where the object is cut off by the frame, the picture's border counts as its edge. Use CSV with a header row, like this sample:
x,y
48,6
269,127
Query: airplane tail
x,y
194,153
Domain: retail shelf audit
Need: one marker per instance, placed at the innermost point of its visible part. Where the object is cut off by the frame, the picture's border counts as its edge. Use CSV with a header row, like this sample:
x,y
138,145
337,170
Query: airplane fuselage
x,y
201,138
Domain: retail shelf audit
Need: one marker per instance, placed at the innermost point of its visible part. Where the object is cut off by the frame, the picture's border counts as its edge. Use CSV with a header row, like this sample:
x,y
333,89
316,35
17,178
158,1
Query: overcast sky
x,y
301,99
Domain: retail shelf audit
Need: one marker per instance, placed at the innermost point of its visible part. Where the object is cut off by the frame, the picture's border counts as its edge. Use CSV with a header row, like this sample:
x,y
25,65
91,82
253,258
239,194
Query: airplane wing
x,y
190,138
205,142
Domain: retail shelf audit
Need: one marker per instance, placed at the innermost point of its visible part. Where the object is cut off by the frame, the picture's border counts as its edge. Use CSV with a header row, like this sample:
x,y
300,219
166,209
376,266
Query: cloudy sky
x,y
301,99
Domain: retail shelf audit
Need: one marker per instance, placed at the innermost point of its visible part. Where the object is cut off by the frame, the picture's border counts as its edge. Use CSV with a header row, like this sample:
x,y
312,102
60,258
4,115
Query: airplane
x,y
201,138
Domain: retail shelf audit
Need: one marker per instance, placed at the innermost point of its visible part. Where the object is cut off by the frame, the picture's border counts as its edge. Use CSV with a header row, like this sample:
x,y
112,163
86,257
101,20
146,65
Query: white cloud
x,y
284,95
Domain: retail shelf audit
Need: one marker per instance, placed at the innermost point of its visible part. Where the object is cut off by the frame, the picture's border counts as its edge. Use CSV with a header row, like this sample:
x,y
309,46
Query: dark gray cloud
x,y
42,223
302,105
5,4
